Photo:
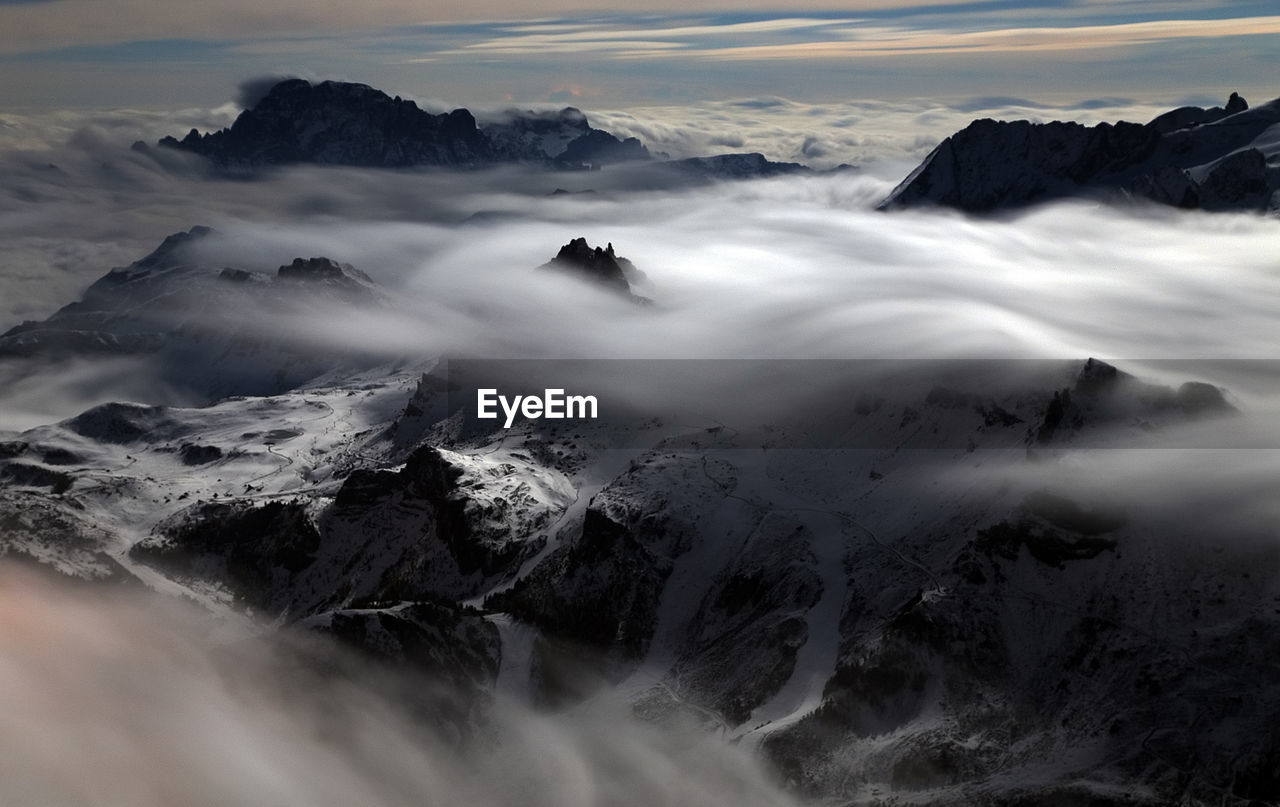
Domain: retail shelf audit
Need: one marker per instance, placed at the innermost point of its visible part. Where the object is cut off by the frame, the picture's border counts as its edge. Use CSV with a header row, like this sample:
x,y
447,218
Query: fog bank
x,y
108,698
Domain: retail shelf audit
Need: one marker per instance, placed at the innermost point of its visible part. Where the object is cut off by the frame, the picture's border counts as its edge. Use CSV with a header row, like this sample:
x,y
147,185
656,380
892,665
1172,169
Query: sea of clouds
x,y
788,268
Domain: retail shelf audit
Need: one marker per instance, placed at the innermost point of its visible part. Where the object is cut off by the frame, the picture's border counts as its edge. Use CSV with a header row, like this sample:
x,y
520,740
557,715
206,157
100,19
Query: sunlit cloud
x,y
837,39
555,39
483,52
35,26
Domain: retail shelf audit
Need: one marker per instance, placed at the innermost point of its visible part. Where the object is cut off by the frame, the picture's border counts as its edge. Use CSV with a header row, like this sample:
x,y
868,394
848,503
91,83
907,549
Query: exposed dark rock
x,y
326,272
234,275
56,455
536,136
995,415
312,269
339,123
210,331
1239,180
1190,116
1098,377
596,264
1005,539
37,476
1198,399
447,644
735,166
194,454
1053,415
597,147
1214,159
257,547
601,266
1104,397
992,164
118,422
1066,514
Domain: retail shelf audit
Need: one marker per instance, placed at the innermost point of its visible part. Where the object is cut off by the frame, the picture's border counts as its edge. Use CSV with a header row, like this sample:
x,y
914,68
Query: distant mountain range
x,y
214,331
341,123
1223,158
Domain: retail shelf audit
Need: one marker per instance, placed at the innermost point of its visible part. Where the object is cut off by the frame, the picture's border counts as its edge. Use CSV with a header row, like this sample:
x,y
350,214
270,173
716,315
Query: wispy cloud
x,y
659,49
817,38
555,38
28,26
888,41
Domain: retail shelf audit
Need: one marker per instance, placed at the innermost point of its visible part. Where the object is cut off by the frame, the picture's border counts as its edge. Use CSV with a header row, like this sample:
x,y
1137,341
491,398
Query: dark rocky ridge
x,y
736,166
600,266
136,308
207,330
1211,159
340,123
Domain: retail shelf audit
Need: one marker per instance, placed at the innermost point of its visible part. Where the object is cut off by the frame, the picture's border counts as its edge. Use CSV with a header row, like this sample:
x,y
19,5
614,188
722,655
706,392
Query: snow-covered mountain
x,y
536,136
934,583
1214,159
210,330
932,608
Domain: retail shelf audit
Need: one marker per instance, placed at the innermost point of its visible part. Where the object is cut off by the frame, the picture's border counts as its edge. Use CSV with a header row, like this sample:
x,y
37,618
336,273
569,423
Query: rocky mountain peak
x,y
1188,157
313,269
598,265
178,303
340,123
172,245
325,272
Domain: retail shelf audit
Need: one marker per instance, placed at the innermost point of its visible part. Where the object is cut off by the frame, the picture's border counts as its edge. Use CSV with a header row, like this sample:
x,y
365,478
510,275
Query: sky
x,y
64,54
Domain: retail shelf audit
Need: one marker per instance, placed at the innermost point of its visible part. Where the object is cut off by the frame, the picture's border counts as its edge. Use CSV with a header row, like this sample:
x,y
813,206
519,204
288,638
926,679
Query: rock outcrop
x,y
597,265
340,123
214,330
1211,159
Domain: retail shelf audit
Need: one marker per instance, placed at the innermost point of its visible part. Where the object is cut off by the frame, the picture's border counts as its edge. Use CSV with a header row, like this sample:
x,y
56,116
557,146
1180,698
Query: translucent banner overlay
x,y
862,404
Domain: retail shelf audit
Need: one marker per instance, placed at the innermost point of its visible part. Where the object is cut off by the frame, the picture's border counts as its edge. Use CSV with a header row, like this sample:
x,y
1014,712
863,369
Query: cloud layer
x,y
78,52
799,267
115,699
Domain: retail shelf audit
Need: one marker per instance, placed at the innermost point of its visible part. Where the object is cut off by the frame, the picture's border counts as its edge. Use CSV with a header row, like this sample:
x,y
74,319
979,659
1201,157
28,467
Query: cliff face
x,y
338,123
1214,159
